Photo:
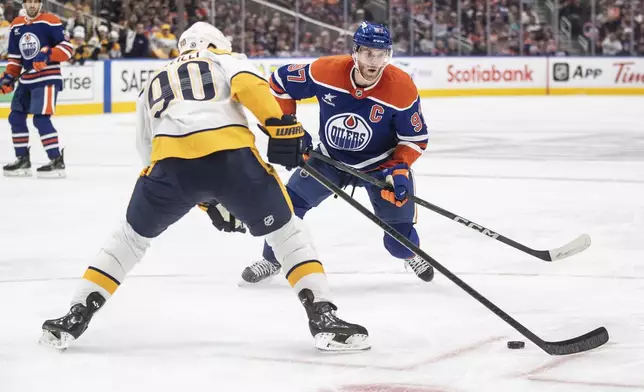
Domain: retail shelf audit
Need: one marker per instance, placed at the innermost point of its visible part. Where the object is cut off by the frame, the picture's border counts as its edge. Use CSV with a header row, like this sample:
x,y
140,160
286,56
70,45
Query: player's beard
x,y
369,73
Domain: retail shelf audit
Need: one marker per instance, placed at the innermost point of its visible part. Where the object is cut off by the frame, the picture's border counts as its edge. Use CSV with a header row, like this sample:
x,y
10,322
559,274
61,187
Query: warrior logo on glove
x,y
288,141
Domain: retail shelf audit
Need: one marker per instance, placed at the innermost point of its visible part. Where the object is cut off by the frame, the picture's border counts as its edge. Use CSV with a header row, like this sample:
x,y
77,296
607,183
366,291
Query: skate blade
x,y
17,173
52,174
355,343
48,339
243,283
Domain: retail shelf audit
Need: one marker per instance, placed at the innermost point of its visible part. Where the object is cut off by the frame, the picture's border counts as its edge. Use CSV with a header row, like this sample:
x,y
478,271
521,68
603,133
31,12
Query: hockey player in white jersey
x,y
194,140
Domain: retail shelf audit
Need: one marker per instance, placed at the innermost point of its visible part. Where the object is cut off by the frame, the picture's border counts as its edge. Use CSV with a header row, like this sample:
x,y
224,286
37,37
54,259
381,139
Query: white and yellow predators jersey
x,y
193,106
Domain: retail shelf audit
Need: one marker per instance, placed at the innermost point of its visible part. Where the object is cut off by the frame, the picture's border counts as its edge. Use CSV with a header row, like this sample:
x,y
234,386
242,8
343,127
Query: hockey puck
x,y
516,344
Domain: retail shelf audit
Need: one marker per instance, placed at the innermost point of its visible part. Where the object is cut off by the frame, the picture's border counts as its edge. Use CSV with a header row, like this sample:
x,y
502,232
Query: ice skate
x,y
331,333
54,169
421,268
259,271
59,333
21,167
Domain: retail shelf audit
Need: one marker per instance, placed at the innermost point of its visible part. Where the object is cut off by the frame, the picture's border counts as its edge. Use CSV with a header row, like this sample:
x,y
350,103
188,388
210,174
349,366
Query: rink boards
x,y
113,86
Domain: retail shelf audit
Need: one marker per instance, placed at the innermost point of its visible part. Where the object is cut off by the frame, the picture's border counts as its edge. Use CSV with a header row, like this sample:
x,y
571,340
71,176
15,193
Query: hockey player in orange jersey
x,y
371,120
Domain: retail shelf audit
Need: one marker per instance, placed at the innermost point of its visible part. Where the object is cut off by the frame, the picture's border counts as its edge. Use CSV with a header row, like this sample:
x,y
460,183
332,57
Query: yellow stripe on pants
x,y
303,269
100,278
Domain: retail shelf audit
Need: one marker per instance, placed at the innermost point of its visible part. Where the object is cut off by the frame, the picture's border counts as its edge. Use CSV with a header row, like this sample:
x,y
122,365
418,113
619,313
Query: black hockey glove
x,y
288,141
222,219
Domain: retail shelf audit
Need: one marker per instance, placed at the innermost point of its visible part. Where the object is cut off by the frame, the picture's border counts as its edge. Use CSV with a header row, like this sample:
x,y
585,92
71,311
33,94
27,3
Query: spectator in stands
x,y
109,48
283,50
10,12
3,22
83,51
103,32
611,46
270,33
139,46
78,20
113,46
4,34
440,49
425,43
571,10
452,46
339,46
163,44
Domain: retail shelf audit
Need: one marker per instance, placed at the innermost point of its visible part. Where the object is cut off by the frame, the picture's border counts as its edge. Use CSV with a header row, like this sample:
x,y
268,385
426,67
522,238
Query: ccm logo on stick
x,y
476,227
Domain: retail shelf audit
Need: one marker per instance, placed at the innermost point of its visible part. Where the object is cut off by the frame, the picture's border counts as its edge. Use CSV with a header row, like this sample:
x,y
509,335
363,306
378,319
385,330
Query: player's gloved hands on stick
x,y
222,219
288,141
397,176
42,59
6,83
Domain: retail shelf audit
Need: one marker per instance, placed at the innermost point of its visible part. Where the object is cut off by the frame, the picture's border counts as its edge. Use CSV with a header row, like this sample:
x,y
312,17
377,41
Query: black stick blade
x,y
582,343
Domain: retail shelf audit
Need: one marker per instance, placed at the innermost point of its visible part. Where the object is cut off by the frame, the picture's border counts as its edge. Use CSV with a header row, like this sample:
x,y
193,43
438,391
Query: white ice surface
x,y
539,170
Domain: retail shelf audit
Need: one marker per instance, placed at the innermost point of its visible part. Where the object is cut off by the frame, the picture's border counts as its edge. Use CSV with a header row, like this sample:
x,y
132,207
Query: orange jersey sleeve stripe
x,y
406,155
288,106
14,69
275,87
60,54
41,74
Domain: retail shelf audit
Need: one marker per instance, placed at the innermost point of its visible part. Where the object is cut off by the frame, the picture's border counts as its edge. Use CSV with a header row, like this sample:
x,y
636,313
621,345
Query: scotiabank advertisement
x,y
484,73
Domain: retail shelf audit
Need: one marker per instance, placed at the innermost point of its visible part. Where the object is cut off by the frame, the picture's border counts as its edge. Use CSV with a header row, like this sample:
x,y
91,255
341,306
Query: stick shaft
x,y
541,254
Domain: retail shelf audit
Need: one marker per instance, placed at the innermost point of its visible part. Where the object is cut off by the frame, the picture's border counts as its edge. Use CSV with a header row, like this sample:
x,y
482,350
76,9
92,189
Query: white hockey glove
x,y
222,219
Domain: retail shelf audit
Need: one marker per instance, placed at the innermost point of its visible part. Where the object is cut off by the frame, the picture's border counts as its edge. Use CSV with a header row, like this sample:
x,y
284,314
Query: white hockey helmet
x,y
200,35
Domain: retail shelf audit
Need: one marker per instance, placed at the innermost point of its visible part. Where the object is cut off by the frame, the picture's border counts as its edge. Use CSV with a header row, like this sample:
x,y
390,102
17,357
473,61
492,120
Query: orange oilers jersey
x,y
27,38
363,127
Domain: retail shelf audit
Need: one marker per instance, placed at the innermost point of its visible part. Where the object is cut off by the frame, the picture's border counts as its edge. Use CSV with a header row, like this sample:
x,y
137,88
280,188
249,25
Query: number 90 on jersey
x,y
189,81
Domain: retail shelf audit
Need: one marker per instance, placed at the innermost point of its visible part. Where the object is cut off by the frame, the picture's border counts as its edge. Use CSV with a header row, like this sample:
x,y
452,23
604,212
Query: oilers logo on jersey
x,y
348,131
29,46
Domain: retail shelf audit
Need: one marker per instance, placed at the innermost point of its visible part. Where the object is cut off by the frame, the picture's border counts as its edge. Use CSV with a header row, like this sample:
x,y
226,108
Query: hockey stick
x,y
575,246
579,344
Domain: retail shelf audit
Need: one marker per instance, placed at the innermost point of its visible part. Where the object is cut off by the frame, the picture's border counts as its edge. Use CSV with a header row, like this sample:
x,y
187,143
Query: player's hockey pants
x,y
307,193
41,102
238,179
